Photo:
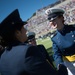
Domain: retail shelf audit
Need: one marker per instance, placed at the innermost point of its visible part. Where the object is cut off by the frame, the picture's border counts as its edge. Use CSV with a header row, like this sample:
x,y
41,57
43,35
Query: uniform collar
x,y
63,31
16,43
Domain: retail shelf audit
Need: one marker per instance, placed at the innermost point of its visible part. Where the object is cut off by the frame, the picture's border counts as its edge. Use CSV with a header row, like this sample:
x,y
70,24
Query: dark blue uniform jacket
x,y
64,43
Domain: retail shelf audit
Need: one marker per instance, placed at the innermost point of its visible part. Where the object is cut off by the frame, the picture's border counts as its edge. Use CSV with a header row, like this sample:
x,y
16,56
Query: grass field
x,y
47,43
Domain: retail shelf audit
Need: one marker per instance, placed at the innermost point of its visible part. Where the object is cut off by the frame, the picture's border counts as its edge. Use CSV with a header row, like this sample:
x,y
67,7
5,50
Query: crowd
x,y
20,54
40,22
70,11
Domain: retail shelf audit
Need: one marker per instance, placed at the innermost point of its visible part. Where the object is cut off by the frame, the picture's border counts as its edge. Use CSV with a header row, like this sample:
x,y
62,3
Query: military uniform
x,y
63,41
18,57
41,48
64,45
24,59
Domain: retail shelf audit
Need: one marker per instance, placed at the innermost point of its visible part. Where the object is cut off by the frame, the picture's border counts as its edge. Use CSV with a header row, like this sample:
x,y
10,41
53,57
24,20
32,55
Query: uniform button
x,y
12,22
71,31
57,38
74,40
72,35
59,41
64,50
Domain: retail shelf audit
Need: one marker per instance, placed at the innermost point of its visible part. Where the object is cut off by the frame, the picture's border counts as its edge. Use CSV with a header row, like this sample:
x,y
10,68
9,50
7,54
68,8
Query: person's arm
x,y
35,64
44,51
57,55
62,69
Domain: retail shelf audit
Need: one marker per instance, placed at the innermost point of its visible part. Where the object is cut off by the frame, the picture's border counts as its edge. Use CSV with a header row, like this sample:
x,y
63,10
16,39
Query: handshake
x,y
62,70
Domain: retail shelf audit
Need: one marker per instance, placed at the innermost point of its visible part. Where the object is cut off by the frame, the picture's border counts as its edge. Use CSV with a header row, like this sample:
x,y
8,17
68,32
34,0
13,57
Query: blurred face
x,y
57,23
21,35
32,41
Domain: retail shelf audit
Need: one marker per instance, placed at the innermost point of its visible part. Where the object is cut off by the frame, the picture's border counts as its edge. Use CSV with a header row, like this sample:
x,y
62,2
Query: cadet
x,y
31,38
18,57
63,40
42,49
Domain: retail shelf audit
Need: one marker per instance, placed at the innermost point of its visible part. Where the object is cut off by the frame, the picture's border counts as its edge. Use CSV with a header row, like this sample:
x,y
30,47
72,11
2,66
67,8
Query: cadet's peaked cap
x,y
52,13
30,35
12,21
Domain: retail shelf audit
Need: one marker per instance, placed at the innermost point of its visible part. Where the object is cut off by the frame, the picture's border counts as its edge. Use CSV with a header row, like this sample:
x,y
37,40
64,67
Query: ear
x,y
17,33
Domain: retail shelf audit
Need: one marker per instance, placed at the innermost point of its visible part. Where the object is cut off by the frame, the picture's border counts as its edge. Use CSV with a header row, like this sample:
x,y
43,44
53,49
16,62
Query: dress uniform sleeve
x,y
35,64
57,54
45,53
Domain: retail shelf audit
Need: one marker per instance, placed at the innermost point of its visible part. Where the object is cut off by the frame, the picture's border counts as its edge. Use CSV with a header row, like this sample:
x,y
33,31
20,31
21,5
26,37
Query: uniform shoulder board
x,y
53,34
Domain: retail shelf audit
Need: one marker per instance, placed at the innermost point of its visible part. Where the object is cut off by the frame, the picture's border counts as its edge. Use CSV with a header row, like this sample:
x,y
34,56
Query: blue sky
x,y
26,7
